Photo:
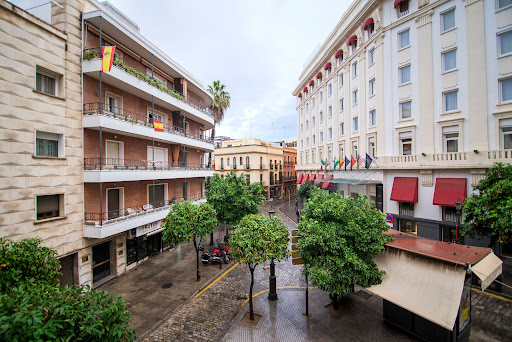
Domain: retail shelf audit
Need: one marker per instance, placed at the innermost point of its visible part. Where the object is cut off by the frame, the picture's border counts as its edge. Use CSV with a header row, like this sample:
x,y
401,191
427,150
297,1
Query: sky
x,y
256,48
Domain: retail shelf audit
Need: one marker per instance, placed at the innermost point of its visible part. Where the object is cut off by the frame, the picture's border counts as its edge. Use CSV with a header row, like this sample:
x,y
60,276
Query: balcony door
x,y
159,158
114,154
114,203
156,195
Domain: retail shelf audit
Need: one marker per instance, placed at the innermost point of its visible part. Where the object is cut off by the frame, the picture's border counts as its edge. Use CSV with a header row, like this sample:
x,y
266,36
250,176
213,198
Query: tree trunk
x,y
251,312
213,142
335,301
196,246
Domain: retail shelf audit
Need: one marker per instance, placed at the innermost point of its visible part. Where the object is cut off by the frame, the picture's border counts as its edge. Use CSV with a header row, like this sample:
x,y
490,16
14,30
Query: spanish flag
x,y
159,126
214,164
107,53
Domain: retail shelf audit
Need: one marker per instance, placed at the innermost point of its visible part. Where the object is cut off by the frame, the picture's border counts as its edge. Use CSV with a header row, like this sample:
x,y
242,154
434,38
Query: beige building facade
x,y
424,88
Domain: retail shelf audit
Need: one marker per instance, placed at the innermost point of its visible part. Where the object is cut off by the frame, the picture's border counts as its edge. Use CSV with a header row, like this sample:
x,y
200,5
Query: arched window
x,y
228,160
247,161
241,161
234,161
221,163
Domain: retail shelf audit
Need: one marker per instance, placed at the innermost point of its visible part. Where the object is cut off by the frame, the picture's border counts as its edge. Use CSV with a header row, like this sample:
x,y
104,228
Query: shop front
x,y
144,242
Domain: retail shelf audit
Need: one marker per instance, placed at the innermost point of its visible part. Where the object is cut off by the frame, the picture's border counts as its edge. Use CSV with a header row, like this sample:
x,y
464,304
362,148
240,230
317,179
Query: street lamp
x,y
458,208
272,293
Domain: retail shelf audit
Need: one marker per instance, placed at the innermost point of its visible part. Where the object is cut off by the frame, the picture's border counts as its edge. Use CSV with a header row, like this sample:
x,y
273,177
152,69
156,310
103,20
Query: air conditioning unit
x,y
132,234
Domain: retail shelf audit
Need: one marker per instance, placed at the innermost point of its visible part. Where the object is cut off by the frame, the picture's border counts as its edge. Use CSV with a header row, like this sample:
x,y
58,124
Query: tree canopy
x,y
305,189
256,239
489,212
34,307
339,238
232,198
189,221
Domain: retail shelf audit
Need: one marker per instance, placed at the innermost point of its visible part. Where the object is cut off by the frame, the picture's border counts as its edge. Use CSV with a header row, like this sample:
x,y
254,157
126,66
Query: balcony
x,y
102,225
130,79
99,170
121,120
401,14
290,179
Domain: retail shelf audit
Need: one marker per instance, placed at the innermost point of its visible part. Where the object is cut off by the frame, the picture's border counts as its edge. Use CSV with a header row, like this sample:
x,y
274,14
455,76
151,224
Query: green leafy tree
x,y
33,306
221,102
339,238
305,189
232,198
27,259
257,239
189,221
490,211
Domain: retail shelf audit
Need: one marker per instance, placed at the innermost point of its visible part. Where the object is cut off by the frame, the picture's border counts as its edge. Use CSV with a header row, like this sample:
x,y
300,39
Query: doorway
x,y
113,203
68,270
114,154
100,261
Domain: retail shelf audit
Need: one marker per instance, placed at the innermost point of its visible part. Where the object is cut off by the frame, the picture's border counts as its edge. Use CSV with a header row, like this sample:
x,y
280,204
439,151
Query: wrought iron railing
x,y
95,163
118,113
122,214
92,53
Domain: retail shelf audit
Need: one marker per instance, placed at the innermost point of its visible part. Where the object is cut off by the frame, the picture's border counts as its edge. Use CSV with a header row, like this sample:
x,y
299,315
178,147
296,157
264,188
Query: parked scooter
x,y
220,253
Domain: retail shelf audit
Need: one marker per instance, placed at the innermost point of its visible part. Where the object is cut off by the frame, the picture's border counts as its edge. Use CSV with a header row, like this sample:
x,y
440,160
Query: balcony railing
x,y
401,14
290,178
100,219
484,158
93,53
96,163
289,164
406,211
137,119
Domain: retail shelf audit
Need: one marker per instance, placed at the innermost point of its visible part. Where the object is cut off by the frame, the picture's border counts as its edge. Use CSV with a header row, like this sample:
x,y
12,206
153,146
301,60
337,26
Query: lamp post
x,y
272,293
458,208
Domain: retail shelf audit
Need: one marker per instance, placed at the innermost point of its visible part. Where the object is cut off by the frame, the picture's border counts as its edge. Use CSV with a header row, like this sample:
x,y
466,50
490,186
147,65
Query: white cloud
x,y
256,48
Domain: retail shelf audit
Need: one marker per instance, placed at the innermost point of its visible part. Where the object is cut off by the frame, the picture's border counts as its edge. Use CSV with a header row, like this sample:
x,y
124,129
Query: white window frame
x,y
340,79
355,96
442,14
500,85
498,36
401,110
313,103
371,147
443,55
62,207
329,112
372,114
502,8
400,68
371,87
321,116
329,89
329,133
342,104
58,81
321,136
321,95
400,47
456,91
59,137
354,69
405,141
342,128
355,148
355,124
371,57
505,128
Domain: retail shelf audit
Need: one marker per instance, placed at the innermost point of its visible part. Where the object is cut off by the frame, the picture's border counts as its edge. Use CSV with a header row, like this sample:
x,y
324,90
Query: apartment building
x,y
91,160
422,87
260,160
145,126
289,173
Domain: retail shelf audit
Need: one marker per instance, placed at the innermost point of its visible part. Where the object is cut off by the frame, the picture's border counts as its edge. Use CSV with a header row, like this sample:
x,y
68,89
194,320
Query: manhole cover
x,y
166,285
363,294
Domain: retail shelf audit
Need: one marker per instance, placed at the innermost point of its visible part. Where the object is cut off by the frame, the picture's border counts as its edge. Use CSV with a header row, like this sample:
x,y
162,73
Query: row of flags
x,y
358,161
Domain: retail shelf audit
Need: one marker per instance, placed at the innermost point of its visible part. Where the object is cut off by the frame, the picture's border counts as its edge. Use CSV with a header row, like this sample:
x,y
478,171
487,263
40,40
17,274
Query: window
x,y
321,136
506,90
449,60
301,112
312,87
329,112
46,82
307,125
407,226
403,38
370,29
405,143
307,142
328,71
371,147
354,69
313,120
228,160
450,101
447,20
329,89
371,56
506,134
321,96
504,43
501,4
353,46
405,74
340,59
313,103
340,80
49,144
371,87
49,206
405,110
342,151
342,105
221,163
247,162
451,141
241,161
403,8
307,107
354,97
342,128
314,139
372,118
355,124
302,143
329,133
301,127
354,149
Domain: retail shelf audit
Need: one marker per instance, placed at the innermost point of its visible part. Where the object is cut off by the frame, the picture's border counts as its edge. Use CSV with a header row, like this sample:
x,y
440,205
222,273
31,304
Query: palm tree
x,y
221,101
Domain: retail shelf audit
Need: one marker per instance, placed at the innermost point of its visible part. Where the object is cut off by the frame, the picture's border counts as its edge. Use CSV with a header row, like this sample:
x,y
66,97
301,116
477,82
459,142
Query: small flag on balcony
x,y
107,53
323,165
347,161
341,164
335,162
213,164
368,161
360,161
353,161
159,126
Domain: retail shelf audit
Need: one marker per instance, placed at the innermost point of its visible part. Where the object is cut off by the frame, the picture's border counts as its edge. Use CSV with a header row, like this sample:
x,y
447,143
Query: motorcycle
x,y
218,255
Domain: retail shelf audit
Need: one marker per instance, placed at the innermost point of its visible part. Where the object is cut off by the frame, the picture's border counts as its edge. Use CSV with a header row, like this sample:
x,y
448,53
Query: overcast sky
x,y
256,48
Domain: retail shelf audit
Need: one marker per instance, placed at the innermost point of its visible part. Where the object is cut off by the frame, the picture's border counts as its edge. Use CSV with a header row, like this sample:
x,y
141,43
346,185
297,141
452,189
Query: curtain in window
x,y
450,60
51,148
448,20
406,74
404,39
450,101
506,90
39,147
506,42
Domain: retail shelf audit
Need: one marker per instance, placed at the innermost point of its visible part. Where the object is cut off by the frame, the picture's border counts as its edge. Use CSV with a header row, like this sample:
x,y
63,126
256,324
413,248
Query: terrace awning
x,y
299,180
450,190
352,39
367,22
405,189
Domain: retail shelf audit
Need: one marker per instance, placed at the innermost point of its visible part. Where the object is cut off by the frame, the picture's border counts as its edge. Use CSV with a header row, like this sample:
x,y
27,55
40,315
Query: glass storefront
x,y
141,247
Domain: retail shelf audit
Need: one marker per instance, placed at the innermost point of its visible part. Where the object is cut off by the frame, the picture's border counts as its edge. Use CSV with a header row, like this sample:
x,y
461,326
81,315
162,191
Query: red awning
x,y
306,177
449,190
305,89
328,66
326,184
313,177
352,39
311,82
405,189
299,180
319,75
398,1
367,22
317,179
300,94
338,53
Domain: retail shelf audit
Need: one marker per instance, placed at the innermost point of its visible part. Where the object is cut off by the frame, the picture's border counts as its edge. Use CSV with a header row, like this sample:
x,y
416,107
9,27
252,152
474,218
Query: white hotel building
x,y
425,88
